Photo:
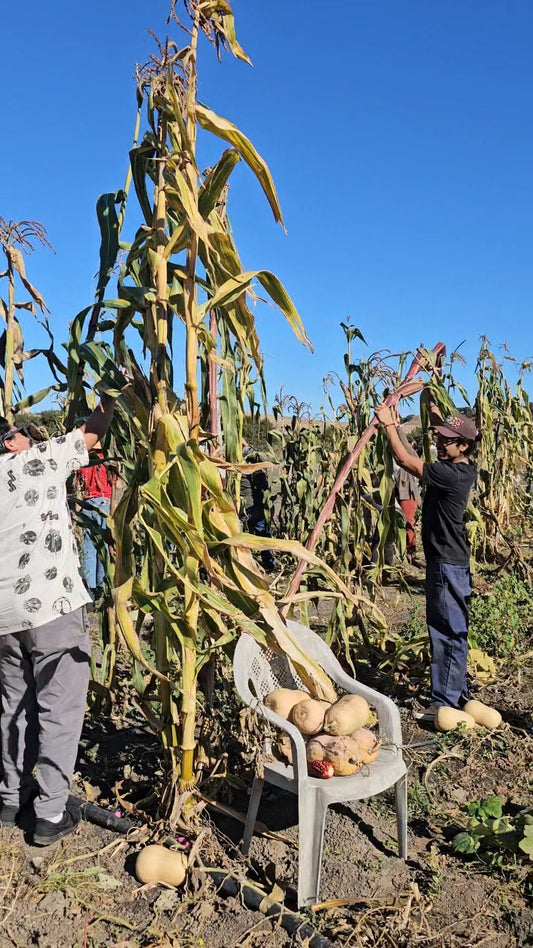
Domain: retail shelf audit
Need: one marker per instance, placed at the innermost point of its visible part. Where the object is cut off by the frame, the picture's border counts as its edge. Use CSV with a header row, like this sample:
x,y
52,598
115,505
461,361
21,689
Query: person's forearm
x,y
401,453
405,457
98,422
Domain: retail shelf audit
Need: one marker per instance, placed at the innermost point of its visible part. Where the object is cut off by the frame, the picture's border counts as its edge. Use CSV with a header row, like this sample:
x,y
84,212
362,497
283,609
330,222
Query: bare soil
x,y
83,891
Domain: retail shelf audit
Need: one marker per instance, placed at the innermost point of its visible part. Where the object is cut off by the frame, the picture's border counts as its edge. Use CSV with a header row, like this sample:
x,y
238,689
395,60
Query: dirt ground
x,y
82,892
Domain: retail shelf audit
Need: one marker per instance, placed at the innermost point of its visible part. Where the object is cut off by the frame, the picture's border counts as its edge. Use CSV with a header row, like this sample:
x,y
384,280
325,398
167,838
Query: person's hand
x,y
384,415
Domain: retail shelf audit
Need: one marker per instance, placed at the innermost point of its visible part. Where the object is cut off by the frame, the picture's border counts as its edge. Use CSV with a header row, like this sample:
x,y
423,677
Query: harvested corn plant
x,y
337,484
181,555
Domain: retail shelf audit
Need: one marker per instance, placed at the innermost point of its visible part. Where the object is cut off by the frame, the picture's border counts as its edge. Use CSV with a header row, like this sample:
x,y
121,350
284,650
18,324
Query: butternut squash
x,y
283,700
308,716
447,719
160,864
483,715
346,715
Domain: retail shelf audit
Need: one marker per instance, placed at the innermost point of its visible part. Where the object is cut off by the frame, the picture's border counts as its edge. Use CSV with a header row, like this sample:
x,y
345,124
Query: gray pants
x,y
44,674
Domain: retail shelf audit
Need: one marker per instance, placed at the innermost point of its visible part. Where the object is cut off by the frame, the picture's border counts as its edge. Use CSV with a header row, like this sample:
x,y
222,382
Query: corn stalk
x,y
408,387
18,238
501,512
181,554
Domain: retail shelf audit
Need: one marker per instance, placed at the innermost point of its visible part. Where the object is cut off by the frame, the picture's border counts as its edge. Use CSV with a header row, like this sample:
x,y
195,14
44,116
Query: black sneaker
x,y
425,714
46,833
8,814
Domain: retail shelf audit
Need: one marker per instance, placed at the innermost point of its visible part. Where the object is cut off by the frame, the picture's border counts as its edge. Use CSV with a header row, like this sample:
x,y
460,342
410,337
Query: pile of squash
x,y
338,737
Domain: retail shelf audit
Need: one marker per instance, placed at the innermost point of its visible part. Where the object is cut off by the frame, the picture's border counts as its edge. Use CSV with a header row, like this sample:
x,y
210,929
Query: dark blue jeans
x,y
448,589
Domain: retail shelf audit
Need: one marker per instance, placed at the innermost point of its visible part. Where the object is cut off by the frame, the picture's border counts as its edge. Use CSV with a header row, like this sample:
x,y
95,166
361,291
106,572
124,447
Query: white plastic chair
x,y
257,672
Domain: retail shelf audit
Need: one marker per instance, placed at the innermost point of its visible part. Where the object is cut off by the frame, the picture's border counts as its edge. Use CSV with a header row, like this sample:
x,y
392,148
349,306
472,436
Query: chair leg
x,y
401,815
311,817
253,806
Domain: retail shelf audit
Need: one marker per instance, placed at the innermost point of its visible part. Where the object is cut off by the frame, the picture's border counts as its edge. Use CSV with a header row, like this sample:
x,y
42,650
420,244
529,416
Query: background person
x,y
252,492
408,494
448,482
44,643
95,486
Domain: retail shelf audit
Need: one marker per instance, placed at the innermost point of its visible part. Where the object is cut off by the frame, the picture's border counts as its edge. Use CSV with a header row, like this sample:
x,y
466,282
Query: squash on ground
x,y
483,714
160,864
447,719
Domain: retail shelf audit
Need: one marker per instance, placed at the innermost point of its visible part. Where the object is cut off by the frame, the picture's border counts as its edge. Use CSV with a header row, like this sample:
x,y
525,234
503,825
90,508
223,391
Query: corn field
x,y
182,580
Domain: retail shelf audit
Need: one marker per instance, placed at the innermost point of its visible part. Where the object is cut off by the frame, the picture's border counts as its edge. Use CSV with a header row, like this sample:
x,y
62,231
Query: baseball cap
x,y
459,426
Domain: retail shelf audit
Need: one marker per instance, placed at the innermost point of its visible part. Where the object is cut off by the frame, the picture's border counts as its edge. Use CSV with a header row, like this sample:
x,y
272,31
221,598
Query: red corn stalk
x,y
409,386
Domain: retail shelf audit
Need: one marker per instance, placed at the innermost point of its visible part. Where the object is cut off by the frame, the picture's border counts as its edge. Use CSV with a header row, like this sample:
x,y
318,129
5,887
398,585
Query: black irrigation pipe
x,y
226,884
253,897
101,817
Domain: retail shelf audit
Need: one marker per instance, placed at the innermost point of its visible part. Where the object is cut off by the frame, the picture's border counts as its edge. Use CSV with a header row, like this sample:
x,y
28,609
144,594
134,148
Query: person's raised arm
x,y
405,457
98,422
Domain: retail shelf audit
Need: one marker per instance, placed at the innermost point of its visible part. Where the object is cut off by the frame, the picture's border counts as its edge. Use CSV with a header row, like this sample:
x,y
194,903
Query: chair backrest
x,y
258,671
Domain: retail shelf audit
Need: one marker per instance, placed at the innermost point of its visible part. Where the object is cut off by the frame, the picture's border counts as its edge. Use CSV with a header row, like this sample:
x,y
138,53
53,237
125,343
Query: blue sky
x,y
399,136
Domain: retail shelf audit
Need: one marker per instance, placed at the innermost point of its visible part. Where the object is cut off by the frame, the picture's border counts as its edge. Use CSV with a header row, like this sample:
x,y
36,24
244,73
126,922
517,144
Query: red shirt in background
x,y
93,481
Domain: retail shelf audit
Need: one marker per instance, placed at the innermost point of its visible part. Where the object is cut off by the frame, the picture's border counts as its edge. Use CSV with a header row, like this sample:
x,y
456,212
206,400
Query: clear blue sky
x,y
399,135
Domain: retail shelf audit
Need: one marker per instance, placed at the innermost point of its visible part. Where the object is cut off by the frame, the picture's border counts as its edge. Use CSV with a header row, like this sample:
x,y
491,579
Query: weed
x,y
416,624
378,806
497,837
501,619
419,801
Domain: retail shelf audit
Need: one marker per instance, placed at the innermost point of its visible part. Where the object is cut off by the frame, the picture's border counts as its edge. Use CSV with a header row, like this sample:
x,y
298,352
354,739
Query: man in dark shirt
x,y
448,482
252,492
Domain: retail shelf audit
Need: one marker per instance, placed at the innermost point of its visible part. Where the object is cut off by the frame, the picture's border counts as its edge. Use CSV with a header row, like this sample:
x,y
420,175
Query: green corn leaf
x,y
37,397
233,288
108,222
216,180
140,159
222,128
99,357
189,205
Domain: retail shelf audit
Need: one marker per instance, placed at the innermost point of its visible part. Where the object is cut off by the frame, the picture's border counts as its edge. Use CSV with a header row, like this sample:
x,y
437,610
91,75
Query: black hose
x,y
252,896
101,817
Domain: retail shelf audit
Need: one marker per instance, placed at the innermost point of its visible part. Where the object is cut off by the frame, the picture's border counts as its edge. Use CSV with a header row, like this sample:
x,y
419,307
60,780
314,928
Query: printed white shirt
x,y
39,563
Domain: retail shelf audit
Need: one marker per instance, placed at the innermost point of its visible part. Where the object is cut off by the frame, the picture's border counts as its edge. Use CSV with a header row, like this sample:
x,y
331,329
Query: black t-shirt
x,y
443,530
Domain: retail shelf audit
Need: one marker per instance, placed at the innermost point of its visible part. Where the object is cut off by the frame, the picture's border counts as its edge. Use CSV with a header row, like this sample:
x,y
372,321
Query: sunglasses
x,y
444,440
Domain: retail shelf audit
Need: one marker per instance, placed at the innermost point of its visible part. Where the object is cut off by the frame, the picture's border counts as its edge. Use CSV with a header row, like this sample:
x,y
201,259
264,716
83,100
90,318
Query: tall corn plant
x,y
359,496
314,452
17,240
180,551
505,461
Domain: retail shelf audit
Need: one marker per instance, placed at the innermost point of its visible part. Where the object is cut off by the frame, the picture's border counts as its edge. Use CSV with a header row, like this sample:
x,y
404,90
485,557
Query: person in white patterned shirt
x,y
44,642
